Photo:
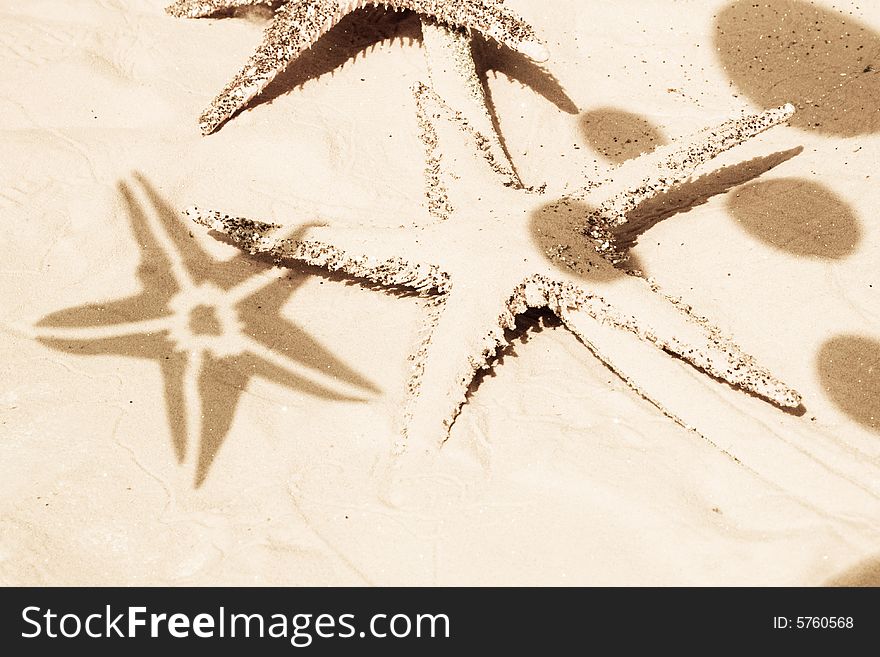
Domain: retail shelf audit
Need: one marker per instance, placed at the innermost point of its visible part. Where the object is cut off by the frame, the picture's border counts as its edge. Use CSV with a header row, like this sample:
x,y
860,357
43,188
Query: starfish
x,y
490,251
298,24
210,325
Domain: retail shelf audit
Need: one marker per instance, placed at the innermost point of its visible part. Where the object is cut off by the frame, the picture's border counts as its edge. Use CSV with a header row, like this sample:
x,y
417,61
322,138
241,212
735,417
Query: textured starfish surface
x,y
490,251
210,325
298,24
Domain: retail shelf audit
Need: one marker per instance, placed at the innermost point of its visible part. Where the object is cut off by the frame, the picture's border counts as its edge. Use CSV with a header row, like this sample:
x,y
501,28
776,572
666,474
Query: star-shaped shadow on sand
x,y
210,325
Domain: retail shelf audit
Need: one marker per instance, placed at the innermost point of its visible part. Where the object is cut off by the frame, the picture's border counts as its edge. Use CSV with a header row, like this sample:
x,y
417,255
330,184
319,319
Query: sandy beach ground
x,y
555,472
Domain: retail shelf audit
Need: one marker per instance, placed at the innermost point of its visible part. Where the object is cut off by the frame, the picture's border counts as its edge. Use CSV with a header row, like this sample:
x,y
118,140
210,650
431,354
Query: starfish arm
x,y
462,335
453,75
672,327
448,158
663,169
204,8
371,254
295,28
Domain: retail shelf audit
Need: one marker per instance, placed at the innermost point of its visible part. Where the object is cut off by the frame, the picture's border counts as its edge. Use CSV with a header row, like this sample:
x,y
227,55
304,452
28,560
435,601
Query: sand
x,y
555,472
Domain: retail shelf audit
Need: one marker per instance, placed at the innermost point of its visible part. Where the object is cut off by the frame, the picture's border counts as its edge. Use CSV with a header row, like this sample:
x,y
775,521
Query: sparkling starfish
x,y
210,325
298,24
540,257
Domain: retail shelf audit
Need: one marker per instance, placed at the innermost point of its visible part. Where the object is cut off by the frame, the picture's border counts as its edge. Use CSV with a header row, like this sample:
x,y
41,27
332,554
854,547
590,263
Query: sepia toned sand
x,y
125,462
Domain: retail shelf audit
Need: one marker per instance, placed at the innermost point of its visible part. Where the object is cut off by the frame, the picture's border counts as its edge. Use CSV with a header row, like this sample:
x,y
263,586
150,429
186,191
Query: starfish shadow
x,y
528,324
147,326
689,195
362,30
864,574
490,57
356,35
498,58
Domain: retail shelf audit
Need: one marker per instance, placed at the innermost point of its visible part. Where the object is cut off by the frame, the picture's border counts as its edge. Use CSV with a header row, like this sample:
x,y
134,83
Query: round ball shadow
x,y
796,216
558,230
849,370
865,574
619,135
828,65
